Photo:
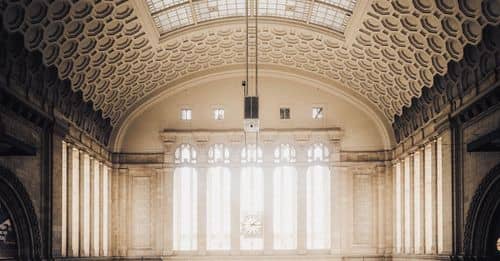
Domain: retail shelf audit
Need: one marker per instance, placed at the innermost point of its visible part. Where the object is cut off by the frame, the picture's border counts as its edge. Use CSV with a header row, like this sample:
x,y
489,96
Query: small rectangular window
x,y
186,114
284,113
218,114
317,113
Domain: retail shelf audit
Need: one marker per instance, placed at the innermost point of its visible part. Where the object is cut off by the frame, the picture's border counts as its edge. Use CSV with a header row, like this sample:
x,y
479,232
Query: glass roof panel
x,y
293,9
346,4
329,16
158,5
213,9
173,18
169,15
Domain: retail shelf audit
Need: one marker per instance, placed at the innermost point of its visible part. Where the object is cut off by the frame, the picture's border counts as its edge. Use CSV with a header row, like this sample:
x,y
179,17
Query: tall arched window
x,y
318,198
185,199
251,199
218,199
285,198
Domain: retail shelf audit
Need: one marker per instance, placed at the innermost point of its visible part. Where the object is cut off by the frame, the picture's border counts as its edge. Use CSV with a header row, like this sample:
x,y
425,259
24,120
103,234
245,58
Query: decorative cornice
x,y
34,91
477,73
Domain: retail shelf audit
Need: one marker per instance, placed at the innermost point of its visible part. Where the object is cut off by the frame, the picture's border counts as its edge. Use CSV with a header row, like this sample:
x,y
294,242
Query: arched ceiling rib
x,y
103,49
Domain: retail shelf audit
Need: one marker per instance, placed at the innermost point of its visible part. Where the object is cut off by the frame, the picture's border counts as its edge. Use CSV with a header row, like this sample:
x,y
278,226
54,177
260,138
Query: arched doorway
x,y
19,227
482,230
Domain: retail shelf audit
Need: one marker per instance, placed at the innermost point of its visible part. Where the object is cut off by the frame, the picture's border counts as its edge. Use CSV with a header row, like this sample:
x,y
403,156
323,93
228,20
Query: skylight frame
x,y
170,15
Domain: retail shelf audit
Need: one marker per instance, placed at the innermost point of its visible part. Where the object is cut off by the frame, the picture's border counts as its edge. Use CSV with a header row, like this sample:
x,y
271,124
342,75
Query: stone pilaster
x,y
73,201
419,184
84,204
336,208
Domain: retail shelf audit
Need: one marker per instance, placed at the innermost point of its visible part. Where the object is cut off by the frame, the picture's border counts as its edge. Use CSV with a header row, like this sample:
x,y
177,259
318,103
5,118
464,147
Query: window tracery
x,y
285,153
251,154
218,153
318,153
185,153
251,188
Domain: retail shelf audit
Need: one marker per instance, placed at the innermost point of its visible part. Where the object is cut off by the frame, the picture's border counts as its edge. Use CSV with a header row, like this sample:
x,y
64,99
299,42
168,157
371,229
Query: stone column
x,y
389,209
336,208
59,192
84,204
419,181
399,207
267,218
444,194
202,196
168,195
408,185
123,181
381,208
103,206
301,209
430,198
73,201
94,206
235,198
115,209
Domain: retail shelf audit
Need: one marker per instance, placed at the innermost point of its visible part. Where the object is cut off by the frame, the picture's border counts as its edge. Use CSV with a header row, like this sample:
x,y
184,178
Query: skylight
x,y
169,15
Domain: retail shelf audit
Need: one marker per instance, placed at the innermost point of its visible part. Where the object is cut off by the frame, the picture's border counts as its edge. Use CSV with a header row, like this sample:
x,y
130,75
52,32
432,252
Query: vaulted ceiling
x,y
116,53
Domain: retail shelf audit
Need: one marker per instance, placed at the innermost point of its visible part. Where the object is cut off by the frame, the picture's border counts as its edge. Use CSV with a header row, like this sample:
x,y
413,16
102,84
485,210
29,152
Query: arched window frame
x,y
251,154
318,153
185,154
285,153
218,154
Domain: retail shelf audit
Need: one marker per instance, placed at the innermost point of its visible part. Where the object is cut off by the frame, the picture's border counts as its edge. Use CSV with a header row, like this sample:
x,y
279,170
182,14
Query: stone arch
x,y
480,222
15,198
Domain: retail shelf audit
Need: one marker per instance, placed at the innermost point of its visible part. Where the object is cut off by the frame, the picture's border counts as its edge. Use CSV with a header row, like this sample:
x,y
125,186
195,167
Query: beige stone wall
x,y
364,133
476,165
27,169
360,196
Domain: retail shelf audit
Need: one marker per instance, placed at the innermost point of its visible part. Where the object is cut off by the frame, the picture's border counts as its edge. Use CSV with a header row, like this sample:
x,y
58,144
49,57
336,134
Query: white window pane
x,y
173,18
218,114
186,114
157,5
293,9
317,112
329,16
285,208
208,10
318,207
185,209
251,208
218,208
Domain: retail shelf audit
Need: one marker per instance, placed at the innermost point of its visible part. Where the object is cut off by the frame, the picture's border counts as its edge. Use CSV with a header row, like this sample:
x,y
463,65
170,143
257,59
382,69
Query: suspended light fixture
x,y
251,88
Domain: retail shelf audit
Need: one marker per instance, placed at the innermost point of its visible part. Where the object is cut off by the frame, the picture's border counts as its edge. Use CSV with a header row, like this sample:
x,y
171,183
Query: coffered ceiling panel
x,y
103,49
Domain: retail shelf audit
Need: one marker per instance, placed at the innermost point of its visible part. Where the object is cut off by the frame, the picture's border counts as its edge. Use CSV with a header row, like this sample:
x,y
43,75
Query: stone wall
x,y
361,193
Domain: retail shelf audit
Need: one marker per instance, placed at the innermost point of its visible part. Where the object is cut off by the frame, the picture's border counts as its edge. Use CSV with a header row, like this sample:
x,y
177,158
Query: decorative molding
x,y
138,158
481,209
475,74
34,91
17,200
103,50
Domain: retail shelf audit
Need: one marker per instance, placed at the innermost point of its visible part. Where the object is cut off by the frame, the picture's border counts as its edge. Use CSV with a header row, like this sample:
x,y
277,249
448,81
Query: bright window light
x,y
169,15
317,113
218,114
186,114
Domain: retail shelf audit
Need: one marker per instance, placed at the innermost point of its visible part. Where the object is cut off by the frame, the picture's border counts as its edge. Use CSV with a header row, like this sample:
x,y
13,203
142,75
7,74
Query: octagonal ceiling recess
x,y
102,48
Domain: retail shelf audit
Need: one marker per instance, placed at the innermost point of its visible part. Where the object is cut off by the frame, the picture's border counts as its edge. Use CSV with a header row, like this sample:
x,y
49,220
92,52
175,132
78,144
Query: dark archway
x,y
14,197
483,224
